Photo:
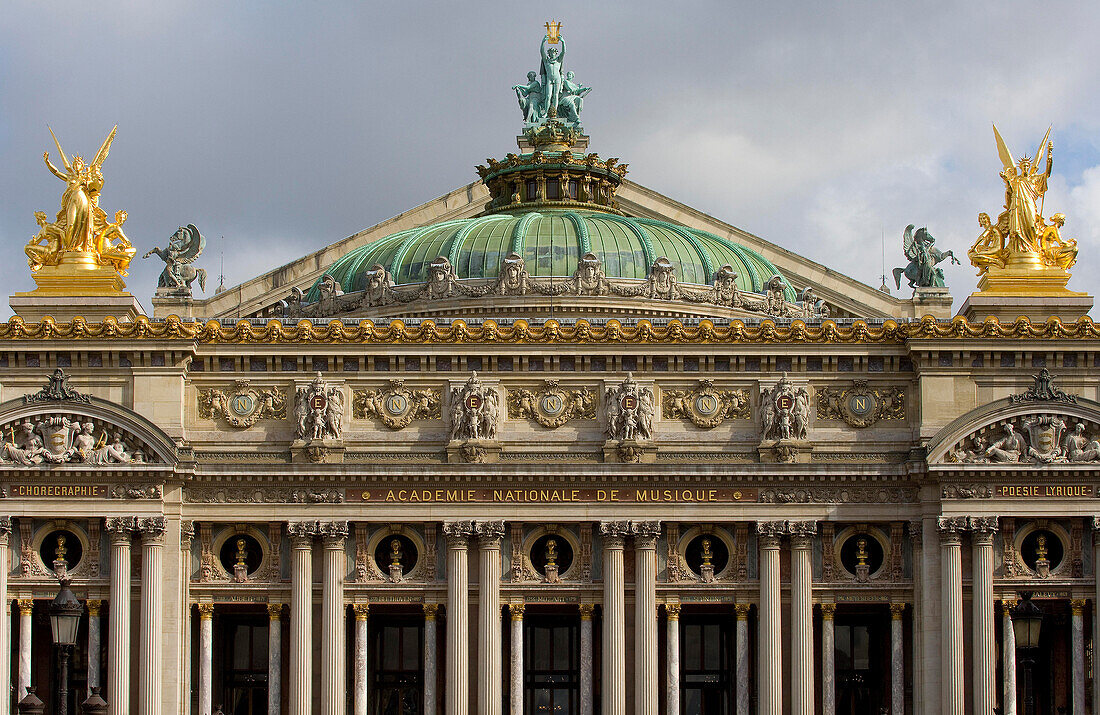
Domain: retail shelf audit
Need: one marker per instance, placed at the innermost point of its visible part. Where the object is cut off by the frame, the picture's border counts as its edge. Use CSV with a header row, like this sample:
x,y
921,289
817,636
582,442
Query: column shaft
x,y
897,660
802,632
951,654
1077,611
1008,653
301,616
431,707
333,632
95,638
586,658
362,624
206,658
516,670
490,681
151,653
613,684
458,618
5,618
118,622
828,660
672,654
274,658
645,617
985,665
769,684
26,624
741,655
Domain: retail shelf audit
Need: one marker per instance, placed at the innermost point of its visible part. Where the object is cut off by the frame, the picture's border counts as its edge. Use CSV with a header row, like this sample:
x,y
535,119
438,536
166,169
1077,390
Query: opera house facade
x,y
552,443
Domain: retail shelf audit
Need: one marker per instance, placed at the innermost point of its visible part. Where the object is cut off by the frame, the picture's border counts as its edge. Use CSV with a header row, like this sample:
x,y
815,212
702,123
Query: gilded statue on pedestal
x,y
81,236
1021,252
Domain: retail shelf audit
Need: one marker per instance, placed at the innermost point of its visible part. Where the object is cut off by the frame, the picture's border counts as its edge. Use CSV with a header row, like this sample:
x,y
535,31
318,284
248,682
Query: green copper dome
x,y
551,244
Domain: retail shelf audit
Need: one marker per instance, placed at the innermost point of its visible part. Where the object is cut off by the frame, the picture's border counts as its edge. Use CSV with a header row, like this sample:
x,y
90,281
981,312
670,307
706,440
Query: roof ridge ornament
x,y
1044,390
56,390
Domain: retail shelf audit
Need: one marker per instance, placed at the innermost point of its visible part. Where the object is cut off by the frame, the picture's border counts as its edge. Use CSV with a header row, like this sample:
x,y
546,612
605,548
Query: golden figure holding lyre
x,y
1021,253
81,237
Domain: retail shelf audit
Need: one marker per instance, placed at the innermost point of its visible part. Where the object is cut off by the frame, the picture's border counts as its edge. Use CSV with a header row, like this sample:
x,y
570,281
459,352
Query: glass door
x,y
705,665
397,666
862,662
245,665
551,654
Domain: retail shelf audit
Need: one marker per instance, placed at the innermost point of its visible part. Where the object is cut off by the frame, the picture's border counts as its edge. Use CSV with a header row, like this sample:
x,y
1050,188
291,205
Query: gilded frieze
x,y
706,406
861,405
552,405
396,405
243,405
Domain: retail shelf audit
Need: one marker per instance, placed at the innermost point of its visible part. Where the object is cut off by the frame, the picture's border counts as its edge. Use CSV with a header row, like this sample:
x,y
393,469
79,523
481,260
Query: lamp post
x,y
1027,619
65,612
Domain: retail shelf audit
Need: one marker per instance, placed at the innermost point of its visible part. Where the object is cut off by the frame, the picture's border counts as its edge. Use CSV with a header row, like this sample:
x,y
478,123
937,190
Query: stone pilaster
x,y
770,680
301,615
672,654
151,652
1096,615
916,541
458,617
613,685
274,658
1008,662
951,636
516,668
26,626
362,657
333,633
95,640
646,534
120,530
5,617
430,673
802,628
828,660
586,610
1077,625
206,657
985,665
490,674
897,660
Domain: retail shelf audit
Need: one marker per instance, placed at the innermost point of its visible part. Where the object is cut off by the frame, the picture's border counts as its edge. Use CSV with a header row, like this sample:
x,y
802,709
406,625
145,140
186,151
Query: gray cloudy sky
x,y
285,126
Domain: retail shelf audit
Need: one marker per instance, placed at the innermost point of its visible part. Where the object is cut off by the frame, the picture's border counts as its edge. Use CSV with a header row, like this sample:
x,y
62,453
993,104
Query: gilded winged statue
x,y
1021,236
923,257
183,248
81,232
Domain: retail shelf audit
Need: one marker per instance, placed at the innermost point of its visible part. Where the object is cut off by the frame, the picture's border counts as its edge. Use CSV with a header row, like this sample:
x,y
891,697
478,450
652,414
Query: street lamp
x,y
65,612
1027,619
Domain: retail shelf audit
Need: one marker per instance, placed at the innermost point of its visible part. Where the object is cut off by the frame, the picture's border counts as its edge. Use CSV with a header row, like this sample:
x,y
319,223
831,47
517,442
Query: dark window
x,y
813,364
443,364
573,188
552,672
351,364
63,360
630,362
320,364
289,364
946,360
1038,361
535,364
598,363
567,363
1069,360
875,364
473,363
691,364
905,364
783,364
245,666
381,364
398,675
95,360
862,662
978,361
504,364
412,364
722,364
553,189
660,364
705,684
1008,360
30,360
156,359
197,365
257,364
844,364
531,195
752,364
225,364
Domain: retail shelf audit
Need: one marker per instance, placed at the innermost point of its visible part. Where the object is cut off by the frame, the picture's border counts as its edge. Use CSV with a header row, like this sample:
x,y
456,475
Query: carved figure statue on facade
x,y
318,411
784,411
396,569
1079,448
475,416
629,411
923,256
184,246
551,95
1008,448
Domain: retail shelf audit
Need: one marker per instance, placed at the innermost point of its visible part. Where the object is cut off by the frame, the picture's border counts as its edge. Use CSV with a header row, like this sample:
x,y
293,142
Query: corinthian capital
x,y
333,533
645,533
301,533
151,528
802,529
983,524
457,532
120,527
770,532
489,533
951,528
613,532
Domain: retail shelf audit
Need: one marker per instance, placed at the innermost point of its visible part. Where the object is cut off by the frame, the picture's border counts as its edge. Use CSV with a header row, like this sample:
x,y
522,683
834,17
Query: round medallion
x,y
629,402
861,405
706,405
396,550
242,404
551,549
709,550
61,545
551,404
473,402
784,402
861,550
1042,545
318,402
396,404
243,550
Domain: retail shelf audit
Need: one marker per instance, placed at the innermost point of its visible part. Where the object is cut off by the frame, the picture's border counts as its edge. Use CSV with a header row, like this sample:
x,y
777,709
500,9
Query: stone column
x,y
151,652
1096,616
1077,611
26,624
613,683
490,680
741,655
362,614
95,638
5,618
645,617
916,644
274,658
301,616
586,658
1008,654
951,637
516,670
802,625
897,660
333,633
672,655
985,663
206,657
828,660
458,618
120,529
430,676
769,684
